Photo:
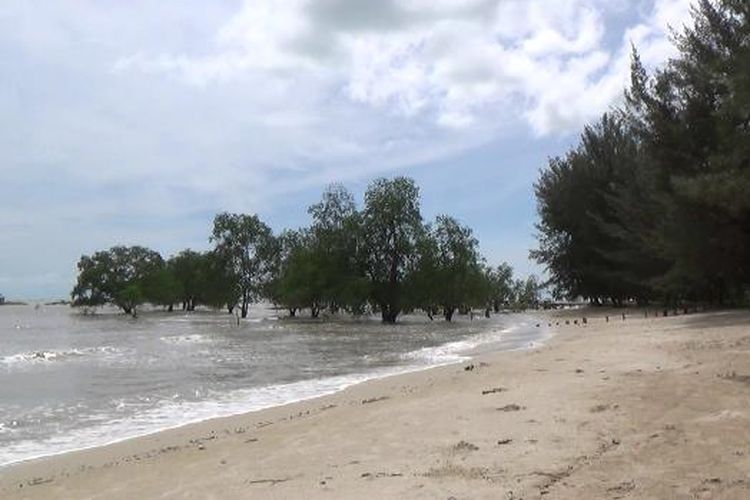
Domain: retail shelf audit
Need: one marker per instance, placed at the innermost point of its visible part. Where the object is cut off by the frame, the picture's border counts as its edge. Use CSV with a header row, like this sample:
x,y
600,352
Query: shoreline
x,y
644,408
321,387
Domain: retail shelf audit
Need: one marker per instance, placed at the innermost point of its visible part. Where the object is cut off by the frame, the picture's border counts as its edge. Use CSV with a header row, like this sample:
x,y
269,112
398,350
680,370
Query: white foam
x,y
186,339
170,413
454,352
45,356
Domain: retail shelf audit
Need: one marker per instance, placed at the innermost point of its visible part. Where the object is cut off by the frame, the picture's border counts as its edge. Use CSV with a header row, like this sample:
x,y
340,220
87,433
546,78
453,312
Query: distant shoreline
x,y
60,302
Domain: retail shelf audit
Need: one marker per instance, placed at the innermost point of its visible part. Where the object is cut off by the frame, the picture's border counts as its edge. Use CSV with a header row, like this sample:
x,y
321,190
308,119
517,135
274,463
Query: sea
x,y
70,381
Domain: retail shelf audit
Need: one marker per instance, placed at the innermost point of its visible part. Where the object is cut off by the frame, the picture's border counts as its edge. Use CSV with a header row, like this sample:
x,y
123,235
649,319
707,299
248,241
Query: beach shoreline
x,y
519,331
572,418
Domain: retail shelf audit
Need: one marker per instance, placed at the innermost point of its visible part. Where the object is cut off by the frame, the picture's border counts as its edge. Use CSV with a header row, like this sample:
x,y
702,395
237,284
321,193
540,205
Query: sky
x,y
136,122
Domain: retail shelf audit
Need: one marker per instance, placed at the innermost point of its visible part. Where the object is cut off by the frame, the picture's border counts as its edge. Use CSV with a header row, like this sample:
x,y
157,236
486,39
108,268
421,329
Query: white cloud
x,y
455,63
115,117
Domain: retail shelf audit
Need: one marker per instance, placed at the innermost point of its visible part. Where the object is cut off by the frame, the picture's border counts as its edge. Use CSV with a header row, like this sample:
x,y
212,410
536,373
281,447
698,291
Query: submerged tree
x,y
449,273
346,260
187,266
203,278
391,227
299,280
162,288
335,238
117,276
499,286
247,247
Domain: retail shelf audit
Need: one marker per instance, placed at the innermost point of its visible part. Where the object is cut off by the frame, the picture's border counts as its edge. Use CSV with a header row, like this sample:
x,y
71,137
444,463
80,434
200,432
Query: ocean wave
x,y
49,356
170,414
454,352
129,417
195,338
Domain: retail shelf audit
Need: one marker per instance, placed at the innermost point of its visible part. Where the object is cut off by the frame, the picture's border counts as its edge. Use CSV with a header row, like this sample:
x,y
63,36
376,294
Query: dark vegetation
x,y
382,258
654,202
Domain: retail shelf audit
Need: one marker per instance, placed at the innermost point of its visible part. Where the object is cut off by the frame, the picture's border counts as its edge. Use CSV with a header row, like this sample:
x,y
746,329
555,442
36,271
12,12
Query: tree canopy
x,y
247,247
382,258
652,204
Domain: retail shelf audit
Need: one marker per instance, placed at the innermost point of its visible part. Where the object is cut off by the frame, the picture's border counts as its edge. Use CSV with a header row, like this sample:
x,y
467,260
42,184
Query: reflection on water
x,y
69,381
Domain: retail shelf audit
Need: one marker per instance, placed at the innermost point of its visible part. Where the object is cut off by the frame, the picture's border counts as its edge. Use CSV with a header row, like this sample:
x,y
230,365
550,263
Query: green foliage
x,y
652,204
382,257
161,287
391,228
247,247
335,236
449,273
187,268
115,276
217,286
526,293
499,283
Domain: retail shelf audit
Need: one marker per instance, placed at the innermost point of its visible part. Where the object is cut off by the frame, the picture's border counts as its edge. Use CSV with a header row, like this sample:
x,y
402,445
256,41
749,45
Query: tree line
x,y
653,203
381,258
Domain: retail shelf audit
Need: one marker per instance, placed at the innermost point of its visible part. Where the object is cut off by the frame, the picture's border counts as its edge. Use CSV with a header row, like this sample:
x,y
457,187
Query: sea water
x,y
69,381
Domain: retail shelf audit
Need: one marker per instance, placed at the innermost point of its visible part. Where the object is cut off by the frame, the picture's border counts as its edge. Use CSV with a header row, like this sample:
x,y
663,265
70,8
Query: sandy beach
x,y
640,408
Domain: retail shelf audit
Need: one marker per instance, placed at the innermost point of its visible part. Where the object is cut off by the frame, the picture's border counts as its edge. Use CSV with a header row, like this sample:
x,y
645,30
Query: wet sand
x,y
641,408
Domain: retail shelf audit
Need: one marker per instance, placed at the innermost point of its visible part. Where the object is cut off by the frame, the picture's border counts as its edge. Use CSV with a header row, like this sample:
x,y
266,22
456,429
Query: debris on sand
x,y
494,390
465,446
511,407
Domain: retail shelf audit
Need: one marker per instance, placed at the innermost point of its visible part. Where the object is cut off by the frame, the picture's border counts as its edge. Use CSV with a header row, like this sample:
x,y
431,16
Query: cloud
x,y
455,63
133,122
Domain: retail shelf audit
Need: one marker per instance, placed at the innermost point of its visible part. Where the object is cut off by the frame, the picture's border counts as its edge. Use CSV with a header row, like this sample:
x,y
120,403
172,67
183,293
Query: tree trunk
x,y
388,315
448,313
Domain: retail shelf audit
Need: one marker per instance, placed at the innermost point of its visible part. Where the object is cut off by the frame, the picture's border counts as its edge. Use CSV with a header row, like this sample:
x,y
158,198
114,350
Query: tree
x,y
652,203
217,285
187,267
499,286
162,288
299,281
451,260
584,239
116,276
692,117
527,293
391,226
334,239
247,247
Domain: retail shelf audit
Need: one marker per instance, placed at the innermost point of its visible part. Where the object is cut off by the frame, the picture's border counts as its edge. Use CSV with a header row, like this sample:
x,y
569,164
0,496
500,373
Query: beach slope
x,y
635,408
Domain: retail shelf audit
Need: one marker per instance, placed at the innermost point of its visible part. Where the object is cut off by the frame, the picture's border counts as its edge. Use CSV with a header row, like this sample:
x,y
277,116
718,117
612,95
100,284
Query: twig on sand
x,y
370,475
271,481
511,407
374,400
494,390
